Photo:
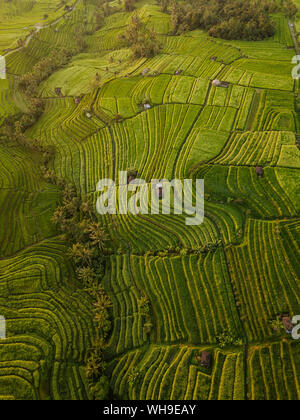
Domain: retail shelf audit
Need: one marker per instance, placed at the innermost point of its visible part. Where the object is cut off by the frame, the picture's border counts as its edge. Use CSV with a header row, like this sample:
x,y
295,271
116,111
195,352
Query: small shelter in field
x,y
58,91
145,71
214,58
147,106
218,83
160,190
288,325
77,100
131,178
206,359
178,72
259,171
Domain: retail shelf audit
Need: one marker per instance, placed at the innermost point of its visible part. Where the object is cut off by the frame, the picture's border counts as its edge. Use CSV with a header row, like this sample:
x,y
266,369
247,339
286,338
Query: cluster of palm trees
x,y
76,220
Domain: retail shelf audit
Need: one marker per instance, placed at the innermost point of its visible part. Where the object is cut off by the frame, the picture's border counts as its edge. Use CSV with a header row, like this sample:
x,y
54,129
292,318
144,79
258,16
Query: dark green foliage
x,y
142,41
229,19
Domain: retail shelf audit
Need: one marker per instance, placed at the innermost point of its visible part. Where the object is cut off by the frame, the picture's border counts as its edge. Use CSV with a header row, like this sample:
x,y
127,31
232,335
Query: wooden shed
x,y
131,178
159,190
259,171
145,71
206,359
287,323
58,91
218,83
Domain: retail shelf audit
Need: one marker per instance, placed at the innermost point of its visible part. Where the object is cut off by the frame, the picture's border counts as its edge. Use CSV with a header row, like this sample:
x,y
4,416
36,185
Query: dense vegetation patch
x,y
228,19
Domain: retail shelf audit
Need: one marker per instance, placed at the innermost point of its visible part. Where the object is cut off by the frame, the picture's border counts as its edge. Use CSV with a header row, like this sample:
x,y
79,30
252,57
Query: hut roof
x,y
145,71
287,323
259,170
216,82
159,190
131,178
206,359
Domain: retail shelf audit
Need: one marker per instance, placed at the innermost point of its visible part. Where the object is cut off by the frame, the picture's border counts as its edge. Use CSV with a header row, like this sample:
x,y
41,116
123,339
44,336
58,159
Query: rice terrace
x,y
143,306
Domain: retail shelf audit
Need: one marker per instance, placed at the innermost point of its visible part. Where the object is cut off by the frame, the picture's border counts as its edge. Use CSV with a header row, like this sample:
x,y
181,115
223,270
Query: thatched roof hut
x,y
131,178
145,71
218,83
159,190
259,171
287,323
58,91
206,359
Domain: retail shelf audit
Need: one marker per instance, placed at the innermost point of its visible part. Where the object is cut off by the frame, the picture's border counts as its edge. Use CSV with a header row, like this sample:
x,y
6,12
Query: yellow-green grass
x,y
192,129
48,325
19,17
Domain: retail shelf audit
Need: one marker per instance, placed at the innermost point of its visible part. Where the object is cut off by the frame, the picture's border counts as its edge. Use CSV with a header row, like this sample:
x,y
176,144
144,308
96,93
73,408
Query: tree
x,y
97,235
81,254
94,366
164,5
289,8
87,207
129,5
87,275
228,19
142,41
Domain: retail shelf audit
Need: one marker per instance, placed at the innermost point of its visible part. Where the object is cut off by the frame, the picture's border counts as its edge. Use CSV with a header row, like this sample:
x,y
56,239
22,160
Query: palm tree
x,y
103,301
59,216
81,253
87,207
97,235
87,275
94,366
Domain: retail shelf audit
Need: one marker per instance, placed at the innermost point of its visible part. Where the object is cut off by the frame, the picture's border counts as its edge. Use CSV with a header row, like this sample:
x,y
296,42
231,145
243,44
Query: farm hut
x,y
217,83
131,178
206,359
287,323
214,58
77,100
147,106
58,91
88,115
159,190
178,72
259,171
145,71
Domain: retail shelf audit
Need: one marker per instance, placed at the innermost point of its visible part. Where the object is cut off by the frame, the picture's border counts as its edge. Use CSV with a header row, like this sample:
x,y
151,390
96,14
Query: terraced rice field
x,y
234,274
